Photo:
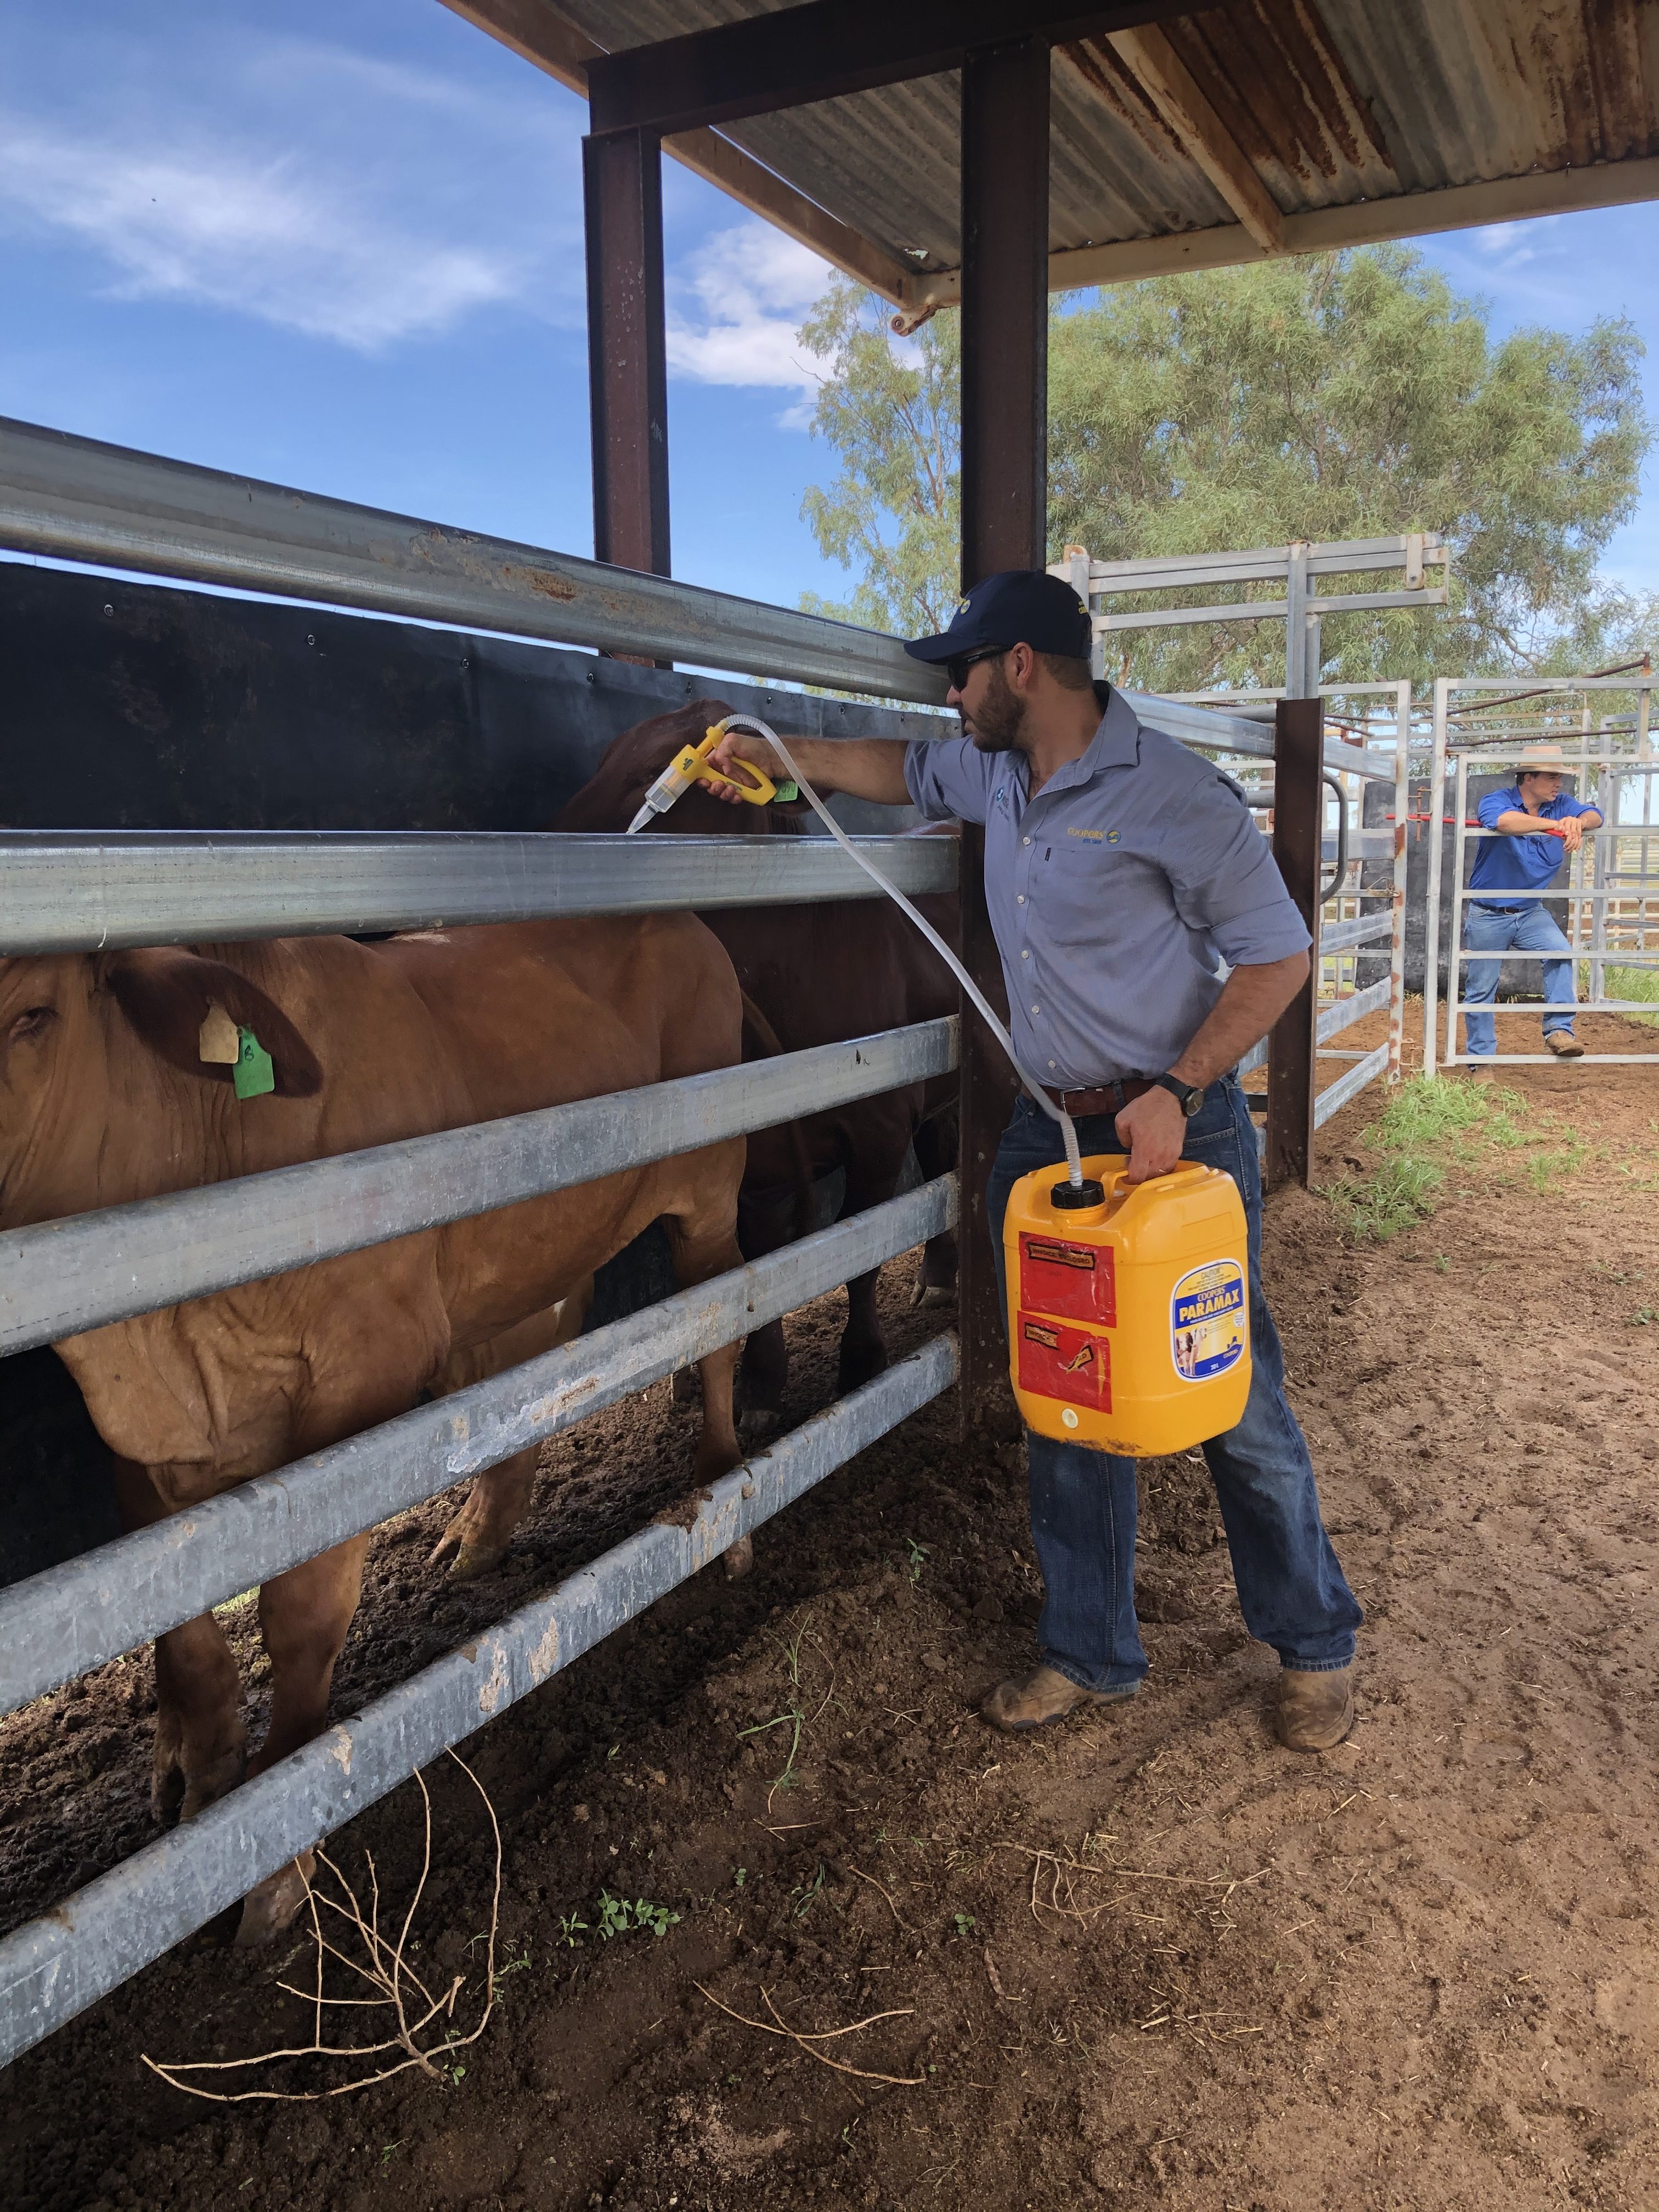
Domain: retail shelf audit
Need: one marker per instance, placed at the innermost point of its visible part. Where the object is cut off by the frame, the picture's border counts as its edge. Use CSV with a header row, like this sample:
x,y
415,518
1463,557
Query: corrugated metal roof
x,y
1331,101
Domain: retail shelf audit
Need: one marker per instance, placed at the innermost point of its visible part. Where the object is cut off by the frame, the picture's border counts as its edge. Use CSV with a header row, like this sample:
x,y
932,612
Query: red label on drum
x,y
1071,1364
1058,1275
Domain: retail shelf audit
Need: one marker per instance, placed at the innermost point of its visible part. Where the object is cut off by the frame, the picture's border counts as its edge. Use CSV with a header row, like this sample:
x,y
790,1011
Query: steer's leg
x,y
200,1735
936,1144
702,1237
872,1177
304,1615
500,1497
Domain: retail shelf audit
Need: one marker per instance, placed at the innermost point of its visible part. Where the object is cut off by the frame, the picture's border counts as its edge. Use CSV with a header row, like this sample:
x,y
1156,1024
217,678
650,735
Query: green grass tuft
x,y
1634,984
1428,1125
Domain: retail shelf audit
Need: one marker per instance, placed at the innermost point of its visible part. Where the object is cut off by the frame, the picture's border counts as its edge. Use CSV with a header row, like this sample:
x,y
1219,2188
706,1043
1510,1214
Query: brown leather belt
x,y
1109,1098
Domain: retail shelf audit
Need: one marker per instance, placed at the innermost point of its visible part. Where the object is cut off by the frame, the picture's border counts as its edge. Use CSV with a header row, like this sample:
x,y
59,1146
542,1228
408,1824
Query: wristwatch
x,y
1189,1097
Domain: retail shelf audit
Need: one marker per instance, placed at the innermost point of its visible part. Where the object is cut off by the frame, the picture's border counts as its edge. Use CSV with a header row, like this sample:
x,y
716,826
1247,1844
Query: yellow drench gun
x,y
1128,1307
691,767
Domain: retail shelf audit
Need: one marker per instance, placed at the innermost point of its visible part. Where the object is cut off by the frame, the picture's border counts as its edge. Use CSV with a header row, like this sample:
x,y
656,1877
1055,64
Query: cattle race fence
x,y
1611,887
74,499
1362,902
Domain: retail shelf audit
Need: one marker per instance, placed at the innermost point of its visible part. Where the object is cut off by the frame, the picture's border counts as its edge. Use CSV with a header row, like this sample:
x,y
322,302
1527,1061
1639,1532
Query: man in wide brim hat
x,y
1536,823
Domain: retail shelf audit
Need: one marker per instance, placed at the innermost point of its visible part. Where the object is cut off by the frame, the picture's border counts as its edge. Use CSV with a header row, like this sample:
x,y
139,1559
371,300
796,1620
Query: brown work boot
x,y
1481,1074
1313,1711
1045,1695
1563,1044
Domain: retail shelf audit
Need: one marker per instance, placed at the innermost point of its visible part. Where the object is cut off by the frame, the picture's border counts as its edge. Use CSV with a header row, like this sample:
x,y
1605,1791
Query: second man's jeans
x,y
1083,1502
1530,929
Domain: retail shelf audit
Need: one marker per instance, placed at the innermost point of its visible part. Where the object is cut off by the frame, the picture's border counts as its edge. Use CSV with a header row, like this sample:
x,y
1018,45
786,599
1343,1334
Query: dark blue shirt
x,y
1516,871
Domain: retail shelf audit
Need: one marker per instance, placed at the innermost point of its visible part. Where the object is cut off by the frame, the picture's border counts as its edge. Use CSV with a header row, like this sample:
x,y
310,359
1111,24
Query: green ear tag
x,y
253,1074
788,790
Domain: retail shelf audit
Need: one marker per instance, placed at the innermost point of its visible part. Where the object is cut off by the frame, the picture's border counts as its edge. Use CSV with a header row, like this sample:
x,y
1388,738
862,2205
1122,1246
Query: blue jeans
x,y
1083,1502
1528,929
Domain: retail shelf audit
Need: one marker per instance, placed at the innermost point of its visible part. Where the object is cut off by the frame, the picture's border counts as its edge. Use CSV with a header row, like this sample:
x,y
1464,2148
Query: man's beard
x,y
998,721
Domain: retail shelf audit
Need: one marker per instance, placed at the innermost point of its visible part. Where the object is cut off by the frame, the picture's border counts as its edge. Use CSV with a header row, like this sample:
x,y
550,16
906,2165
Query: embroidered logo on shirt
x,y
1096,834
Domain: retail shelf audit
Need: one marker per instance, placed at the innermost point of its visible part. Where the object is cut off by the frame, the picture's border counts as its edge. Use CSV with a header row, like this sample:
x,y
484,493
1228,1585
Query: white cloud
x,y
735,315
273,238
358,201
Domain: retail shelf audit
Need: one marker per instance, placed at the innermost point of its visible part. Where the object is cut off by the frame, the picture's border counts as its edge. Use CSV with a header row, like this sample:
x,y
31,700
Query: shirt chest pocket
x,y
1072,890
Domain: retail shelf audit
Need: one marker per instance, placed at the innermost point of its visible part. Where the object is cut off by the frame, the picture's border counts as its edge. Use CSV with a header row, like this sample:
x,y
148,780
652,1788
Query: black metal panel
x,y
144,706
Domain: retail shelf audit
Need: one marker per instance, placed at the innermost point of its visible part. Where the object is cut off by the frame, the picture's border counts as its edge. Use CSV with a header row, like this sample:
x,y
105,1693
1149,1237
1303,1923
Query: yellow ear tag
x,y
253,1074
219,1042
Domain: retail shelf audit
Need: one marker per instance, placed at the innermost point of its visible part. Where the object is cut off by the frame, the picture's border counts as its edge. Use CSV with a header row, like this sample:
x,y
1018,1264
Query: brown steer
x,y
817,974
105,1098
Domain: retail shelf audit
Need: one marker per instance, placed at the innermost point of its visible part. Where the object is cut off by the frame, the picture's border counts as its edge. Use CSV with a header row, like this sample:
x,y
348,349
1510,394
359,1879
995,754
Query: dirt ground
x,y
1146,1959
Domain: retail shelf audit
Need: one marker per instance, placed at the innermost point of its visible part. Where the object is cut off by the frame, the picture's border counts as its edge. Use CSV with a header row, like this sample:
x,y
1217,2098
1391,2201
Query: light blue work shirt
x,y
1115,893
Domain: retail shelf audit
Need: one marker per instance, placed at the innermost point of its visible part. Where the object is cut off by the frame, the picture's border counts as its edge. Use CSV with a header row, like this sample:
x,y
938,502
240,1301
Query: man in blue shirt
x,y
1121,872
1538,825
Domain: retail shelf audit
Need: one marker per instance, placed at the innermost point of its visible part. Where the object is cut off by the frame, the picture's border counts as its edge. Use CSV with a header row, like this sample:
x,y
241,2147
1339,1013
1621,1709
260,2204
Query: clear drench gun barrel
x,y
1128,1314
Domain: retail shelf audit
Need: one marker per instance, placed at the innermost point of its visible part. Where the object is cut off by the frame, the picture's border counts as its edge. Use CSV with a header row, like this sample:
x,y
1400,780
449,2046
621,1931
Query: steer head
x,y
616,791
92,1046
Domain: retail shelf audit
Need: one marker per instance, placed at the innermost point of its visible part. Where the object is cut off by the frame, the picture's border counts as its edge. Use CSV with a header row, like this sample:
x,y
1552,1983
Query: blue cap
x,y
1017,606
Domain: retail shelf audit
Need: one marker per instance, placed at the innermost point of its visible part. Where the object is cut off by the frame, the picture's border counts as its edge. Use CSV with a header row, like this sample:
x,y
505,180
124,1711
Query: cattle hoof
x,y
756,1423
275,1905
686,1386
474,1556
739,1558
933,1294
472,1562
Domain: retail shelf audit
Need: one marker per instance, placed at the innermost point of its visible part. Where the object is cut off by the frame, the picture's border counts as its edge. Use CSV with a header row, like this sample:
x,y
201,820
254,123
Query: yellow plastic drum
x,y
1129,1318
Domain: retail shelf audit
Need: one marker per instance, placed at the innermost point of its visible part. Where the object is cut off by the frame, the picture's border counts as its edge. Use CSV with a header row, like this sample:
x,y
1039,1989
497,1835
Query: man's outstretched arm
x,y
864,768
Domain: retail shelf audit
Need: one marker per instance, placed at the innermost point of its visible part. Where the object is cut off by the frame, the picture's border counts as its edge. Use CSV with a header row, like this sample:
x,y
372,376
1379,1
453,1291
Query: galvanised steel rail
x,y
85,1270
59,1623
76,499
99,890
56,1966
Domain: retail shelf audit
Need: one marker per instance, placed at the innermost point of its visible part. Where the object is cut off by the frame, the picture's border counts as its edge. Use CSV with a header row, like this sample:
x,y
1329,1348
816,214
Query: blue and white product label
x,y
1207,1322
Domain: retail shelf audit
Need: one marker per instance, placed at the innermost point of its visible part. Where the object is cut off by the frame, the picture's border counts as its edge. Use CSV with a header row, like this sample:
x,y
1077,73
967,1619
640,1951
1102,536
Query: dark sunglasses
x,y
957,665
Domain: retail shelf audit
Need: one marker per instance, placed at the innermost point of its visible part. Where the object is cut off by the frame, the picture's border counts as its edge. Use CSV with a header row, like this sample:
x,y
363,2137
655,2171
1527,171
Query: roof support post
x,y
626,354
1004,446
1298,813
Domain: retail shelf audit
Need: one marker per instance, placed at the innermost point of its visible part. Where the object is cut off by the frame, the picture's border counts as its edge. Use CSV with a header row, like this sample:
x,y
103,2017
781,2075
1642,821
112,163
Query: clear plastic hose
x,y
1067,1131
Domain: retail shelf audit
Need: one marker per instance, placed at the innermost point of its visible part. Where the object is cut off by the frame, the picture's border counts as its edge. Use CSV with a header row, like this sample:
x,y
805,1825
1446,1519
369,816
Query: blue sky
x,y
345,252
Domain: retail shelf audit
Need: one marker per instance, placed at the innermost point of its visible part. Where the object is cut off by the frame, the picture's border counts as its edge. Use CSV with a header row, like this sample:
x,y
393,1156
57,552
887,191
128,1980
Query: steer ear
x,y
167,995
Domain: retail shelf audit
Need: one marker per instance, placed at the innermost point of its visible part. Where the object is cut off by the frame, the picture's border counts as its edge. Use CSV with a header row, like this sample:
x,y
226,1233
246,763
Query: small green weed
x,y
963,1922
810,1895
917,1557
571,1931
1442,1264
739,1876
1643,1316
623,1916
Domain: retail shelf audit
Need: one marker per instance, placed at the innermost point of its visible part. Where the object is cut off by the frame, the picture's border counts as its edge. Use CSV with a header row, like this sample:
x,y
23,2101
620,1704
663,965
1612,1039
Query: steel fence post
x,y
1005,474
1299,813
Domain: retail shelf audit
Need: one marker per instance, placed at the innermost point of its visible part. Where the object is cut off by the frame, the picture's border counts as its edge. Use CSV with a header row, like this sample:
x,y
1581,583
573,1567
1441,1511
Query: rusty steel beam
x,y
1004,405
824,49
627,349
1299,805
538,34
